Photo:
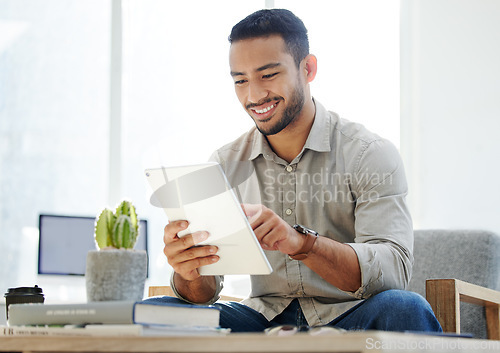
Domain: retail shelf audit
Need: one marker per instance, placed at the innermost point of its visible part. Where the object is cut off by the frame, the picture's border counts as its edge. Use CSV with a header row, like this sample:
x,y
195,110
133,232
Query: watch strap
x,y
311,237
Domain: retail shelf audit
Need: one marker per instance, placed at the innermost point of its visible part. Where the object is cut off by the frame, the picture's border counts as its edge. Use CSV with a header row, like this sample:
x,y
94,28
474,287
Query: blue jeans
x,y
392,310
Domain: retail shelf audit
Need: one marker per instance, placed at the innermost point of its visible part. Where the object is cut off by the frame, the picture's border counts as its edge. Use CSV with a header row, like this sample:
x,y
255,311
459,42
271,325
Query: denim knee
x,y
401,310
164,299
392,310
402,301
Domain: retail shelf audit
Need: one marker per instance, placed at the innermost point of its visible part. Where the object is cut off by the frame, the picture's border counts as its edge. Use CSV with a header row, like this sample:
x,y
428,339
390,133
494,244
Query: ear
x,y
311,67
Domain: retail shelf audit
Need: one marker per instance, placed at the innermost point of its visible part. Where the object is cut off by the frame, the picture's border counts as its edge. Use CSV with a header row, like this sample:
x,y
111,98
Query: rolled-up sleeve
x,y
383,225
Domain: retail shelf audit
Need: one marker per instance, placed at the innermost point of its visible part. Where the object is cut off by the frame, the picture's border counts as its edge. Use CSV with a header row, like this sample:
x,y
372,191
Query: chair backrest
x,y
469,255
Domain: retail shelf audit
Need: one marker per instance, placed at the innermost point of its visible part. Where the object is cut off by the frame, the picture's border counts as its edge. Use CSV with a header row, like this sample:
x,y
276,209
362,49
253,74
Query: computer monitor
x,y
64,242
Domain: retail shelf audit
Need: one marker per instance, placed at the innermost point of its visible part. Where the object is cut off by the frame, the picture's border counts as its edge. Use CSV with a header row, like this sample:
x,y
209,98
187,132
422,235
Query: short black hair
x,y
283,22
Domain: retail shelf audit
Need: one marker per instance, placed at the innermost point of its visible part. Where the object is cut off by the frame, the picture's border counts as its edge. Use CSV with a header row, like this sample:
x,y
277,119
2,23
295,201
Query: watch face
x,y
304,230
300,228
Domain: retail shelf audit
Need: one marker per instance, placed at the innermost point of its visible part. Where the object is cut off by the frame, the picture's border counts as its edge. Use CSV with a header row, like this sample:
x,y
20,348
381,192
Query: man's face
x,y
267,82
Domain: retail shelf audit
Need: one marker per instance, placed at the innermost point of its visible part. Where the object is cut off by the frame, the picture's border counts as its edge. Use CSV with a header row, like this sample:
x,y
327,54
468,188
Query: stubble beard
x,y
290,113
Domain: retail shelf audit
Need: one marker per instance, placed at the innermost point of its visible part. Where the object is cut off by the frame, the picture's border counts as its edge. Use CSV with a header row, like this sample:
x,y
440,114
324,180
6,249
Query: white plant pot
x,y
116,274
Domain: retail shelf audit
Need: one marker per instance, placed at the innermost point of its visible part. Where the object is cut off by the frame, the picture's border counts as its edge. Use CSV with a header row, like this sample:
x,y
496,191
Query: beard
x,y
291,112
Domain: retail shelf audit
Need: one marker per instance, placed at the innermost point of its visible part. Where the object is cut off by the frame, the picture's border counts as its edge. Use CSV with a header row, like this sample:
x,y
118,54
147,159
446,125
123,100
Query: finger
x,y
252,211
190,260
257,221
262,233
271,233
269,239
195,252
190,240
185,248
173,247
198,237
190,269
187,262
172,228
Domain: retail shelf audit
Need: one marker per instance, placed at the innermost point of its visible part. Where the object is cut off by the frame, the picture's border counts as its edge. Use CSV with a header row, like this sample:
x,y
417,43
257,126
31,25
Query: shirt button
x,y
289,168
288,211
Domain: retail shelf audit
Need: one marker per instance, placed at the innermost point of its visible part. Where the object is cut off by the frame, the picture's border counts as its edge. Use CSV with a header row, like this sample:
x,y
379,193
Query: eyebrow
x,y
262,68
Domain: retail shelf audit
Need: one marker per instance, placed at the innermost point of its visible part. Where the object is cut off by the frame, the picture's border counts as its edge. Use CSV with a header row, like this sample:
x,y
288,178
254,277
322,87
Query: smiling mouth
x,y
265,110
264,113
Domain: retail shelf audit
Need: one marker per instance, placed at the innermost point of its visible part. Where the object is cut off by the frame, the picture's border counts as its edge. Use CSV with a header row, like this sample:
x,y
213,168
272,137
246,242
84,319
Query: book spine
x,y
119,312
104,330
41,331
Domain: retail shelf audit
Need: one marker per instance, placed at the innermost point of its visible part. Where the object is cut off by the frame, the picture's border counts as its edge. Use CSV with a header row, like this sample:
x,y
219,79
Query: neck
x,y
289,142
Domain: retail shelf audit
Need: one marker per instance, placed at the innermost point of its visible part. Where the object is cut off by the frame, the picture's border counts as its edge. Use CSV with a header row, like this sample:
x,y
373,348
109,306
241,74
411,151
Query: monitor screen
x,y
65,241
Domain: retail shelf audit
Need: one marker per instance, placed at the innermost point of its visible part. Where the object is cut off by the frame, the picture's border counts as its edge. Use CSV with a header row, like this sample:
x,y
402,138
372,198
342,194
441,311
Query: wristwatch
x,y
311,237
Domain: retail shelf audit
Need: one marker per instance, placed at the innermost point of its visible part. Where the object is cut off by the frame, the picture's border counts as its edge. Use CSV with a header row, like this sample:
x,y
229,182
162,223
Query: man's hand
x,y
272,232
183,254
337,263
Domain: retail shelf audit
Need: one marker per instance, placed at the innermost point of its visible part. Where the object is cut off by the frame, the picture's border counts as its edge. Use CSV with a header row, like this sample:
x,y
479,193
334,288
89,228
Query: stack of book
x,y
112,318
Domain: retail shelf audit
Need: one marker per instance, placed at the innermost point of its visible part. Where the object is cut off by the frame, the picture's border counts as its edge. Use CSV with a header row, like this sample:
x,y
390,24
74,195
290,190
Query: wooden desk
x,y
361,342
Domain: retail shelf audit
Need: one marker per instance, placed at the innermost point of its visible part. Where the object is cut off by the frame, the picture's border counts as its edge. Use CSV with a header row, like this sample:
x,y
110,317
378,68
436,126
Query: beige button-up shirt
x,y
347,184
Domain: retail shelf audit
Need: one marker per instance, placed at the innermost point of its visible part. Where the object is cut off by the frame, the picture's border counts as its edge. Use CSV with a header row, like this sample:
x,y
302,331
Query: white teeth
x,y
265,110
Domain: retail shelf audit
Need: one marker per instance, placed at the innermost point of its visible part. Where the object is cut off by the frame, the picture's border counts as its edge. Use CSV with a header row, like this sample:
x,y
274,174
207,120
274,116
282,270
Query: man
x,y
313,173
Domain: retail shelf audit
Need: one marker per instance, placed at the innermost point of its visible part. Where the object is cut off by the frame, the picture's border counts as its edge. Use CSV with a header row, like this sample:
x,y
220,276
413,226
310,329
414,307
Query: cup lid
x,y
25,291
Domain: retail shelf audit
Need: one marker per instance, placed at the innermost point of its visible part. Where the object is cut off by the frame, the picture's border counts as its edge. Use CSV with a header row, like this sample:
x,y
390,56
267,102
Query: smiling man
x,y
262,89
331,217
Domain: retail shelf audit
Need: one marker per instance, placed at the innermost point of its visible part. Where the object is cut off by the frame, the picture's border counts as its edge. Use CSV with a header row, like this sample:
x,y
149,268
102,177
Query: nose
x,y
256,92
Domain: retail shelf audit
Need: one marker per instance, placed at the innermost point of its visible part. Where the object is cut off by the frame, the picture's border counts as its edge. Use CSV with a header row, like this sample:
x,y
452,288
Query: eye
x,y
270,75
239,82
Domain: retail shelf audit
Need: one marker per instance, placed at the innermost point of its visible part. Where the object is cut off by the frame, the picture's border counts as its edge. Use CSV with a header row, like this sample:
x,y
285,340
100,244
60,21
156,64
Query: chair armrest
x,y
445,295
167,290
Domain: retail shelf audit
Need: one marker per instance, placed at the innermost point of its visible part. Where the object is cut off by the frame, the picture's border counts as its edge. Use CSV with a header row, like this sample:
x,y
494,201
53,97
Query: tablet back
x,y
202,195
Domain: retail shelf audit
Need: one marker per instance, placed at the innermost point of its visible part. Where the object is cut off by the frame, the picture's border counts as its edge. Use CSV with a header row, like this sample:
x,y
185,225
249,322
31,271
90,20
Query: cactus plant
x,y
118,229
118,273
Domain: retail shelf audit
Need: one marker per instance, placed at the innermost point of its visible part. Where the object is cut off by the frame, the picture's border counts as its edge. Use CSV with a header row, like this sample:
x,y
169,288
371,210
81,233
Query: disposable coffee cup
x,y
21,295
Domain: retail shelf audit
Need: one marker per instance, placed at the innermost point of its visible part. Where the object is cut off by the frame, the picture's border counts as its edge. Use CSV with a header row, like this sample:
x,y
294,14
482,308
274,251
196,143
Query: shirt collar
x,y
319,136
260,146
318,139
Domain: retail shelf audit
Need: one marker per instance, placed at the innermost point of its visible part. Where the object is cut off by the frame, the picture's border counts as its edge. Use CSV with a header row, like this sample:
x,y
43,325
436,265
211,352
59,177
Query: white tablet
x,y
202,195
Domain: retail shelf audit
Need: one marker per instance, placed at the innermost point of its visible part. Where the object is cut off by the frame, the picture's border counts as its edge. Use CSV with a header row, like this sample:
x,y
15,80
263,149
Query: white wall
x,y
450,75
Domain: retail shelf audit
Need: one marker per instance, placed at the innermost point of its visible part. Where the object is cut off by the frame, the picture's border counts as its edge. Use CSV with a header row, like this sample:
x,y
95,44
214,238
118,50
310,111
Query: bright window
x,y
54,89
178,99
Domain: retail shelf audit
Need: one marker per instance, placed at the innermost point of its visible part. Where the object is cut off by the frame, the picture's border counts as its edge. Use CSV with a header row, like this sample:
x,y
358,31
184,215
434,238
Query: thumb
x,y
252,211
